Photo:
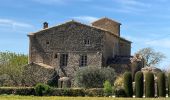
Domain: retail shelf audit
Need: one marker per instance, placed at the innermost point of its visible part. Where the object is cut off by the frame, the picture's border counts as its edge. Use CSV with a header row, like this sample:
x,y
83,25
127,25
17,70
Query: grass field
x,y
12,97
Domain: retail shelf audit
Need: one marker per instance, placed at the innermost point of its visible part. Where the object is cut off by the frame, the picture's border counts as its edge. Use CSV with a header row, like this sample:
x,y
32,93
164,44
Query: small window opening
x,y
55,56
47,42
87,42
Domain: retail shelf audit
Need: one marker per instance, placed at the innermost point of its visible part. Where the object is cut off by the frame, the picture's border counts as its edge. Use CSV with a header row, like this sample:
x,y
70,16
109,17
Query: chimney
x,y
45,25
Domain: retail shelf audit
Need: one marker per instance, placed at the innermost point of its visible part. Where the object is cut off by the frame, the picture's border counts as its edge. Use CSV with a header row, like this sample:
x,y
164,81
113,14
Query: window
x,y
47,42
83,60
87,42
63,59
55,56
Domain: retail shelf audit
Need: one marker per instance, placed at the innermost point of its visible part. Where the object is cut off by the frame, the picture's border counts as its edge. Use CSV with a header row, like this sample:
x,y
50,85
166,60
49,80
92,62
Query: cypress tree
x,y
149,85
161,85
128,84
139,84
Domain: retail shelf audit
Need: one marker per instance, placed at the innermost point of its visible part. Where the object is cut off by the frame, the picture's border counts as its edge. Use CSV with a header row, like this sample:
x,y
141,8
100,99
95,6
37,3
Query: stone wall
x,y
124,48
109,25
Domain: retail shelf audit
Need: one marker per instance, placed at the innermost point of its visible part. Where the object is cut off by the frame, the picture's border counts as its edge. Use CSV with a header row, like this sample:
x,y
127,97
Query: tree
x,y
11,66
139,85
150,56
94,77
107,88
128,84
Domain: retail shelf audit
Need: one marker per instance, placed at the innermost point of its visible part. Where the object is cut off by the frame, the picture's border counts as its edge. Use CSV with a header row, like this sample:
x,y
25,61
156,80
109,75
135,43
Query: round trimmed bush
x,y
149,85
41,89
128,84
139,84
161,85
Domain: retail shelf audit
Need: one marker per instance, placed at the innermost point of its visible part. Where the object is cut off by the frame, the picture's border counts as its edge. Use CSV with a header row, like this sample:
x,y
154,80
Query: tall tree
x,y
150,56
11,65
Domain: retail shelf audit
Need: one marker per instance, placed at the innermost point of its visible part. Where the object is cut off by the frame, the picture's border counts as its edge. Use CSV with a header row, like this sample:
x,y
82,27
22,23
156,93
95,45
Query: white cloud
x,y
131,3
59,2
12,23
85,19
162,43
50,1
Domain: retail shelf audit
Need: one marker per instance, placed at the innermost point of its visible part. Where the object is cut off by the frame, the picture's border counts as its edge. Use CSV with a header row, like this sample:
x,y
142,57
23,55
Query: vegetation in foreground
x,y
12,97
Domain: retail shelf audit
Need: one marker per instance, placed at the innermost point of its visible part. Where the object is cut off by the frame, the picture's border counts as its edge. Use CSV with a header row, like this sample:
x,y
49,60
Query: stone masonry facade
x,y
72,45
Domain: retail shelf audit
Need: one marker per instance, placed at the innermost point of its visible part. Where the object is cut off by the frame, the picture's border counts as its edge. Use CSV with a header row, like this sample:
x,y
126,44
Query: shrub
x,y
168,84
149,85
94,92
41,89
17,90
119,82
139,84
107,88
93,77
120,92
128,84
161,85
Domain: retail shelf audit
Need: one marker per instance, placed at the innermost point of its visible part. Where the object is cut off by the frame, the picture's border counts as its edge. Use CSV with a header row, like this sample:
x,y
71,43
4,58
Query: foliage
x,y
94,92
151,57
161,84
93,77
128,84
118,82
11,67
41,89
107,88
149,85
139,85
17,90
120,92
169,84
17,97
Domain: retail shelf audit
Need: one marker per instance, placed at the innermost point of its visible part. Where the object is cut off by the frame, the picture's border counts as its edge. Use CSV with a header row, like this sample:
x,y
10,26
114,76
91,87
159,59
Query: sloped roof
x,y
105,18
73,21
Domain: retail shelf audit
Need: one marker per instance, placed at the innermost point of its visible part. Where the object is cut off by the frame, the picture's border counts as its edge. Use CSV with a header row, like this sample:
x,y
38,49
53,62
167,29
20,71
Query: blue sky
x,y
144,22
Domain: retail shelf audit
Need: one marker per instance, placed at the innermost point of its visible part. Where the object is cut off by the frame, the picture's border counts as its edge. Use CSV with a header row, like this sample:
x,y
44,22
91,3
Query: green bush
x,y
17,90
94,77
94,92
161,85
139,85
168,84
128,84
41,89
107,88
149,85
120,92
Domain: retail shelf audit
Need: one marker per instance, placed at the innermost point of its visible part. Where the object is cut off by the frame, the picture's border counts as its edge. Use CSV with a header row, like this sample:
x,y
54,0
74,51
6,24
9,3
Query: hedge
x,y
139,84
93,92
161,85
168,84
128,84
149,85
17,90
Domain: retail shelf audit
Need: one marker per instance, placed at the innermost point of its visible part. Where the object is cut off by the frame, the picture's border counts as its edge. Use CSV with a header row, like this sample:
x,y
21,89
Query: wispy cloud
x,y
85,19
162,43
13,23
126,6
59,2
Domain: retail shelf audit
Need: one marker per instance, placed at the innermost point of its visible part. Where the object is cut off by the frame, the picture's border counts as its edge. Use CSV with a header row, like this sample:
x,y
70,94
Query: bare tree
x,y
150,56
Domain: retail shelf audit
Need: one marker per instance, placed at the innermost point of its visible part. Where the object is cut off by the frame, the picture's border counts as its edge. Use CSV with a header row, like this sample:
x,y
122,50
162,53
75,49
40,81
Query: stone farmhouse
x,y
73,45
